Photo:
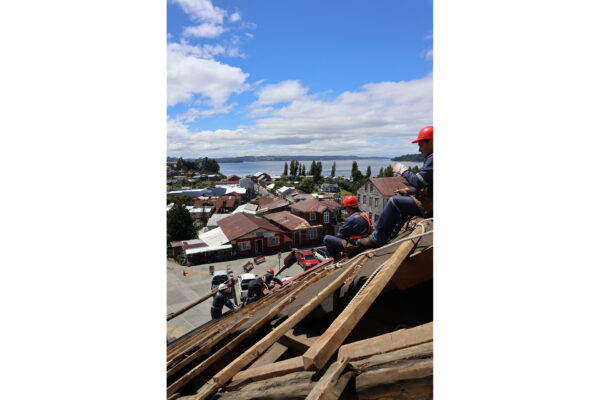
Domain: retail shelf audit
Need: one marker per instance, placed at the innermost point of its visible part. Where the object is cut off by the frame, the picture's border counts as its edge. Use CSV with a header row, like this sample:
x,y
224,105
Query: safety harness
x,y
366,217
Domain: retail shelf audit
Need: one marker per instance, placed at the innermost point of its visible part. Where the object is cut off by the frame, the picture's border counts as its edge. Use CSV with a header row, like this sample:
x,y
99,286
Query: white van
x,y
244,280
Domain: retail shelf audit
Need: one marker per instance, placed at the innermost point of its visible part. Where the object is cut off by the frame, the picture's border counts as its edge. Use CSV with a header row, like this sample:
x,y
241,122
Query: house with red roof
x,y
325,212
297,228
250,235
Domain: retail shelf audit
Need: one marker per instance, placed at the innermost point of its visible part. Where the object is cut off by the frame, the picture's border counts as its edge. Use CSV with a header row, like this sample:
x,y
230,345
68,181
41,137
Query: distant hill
x,y
410,157
282,158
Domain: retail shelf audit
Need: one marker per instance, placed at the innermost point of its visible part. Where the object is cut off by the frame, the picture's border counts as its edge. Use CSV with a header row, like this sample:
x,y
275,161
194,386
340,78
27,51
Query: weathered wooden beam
x,y
266,371
242,361
200,300
270,356
241,337
390,382
300,342
424,350
387,342
294,386
328,380
327,344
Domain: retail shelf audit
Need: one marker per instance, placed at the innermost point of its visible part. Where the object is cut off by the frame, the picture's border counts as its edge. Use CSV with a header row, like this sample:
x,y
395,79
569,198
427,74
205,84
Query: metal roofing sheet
x,y
241,224
288,220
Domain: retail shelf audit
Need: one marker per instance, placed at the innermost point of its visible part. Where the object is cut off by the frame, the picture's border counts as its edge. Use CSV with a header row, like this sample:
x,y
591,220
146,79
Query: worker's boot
x,y
366,243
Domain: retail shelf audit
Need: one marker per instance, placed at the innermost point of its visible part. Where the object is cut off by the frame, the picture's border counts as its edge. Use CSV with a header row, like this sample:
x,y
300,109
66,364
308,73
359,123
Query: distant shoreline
x,y
283,158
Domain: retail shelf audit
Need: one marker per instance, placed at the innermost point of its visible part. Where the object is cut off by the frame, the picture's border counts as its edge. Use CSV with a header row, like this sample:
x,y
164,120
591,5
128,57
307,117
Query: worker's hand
x,y
236,307
400,168
402,191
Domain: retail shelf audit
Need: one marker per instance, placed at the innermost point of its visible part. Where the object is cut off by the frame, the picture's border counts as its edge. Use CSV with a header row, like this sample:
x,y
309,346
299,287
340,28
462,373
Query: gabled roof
x,y
387,186
241,224
288,220
268,204
318,206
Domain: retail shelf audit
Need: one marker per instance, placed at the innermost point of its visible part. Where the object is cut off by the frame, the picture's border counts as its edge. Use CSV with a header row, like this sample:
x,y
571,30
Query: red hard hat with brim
x,y
426,133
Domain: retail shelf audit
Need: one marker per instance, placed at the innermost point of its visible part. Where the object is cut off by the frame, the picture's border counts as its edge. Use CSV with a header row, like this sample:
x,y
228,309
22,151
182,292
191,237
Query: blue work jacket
x,y
355,225
220,300
424,178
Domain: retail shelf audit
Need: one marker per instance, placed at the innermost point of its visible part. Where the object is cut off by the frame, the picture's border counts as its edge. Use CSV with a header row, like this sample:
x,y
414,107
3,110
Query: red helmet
x,y
426,133
350,201
270,270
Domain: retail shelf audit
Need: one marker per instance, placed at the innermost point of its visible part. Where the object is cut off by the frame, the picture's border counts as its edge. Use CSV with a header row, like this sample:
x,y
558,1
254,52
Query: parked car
x,y
219,277
321,254
306,259
243,281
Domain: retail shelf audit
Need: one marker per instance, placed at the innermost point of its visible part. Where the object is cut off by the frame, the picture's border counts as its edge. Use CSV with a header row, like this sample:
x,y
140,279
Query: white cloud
x,y
202,10
379,119
285,91
208,30
188,75
429,55
235,17
204,51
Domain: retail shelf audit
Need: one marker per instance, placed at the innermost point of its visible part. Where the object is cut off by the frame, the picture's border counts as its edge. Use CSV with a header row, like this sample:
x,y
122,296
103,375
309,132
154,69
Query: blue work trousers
x,y
334,246
396,212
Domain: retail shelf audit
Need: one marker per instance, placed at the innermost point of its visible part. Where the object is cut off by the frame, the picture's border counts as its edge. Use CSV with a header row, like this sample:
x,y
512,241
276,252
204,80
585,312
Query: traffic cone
x,y
184,273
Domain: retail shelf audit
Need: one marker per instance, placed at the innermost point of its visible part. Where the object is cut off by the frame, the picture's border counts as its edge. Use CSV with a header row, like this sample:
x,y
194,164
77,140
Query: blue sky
x,y
272,77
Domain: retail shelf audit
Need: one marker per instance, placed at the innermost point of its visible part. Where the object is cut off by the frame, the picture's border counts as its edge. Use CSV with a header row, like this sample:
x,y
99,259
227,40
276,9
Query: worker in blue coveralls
x,y
416,200
220,300
357,226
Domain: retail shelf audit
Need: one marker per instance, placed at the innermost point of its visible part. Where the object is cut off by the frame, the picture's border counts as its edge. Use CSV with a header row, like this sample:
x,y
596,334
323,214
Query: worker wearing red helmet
x,y
356,226
417,200
270,276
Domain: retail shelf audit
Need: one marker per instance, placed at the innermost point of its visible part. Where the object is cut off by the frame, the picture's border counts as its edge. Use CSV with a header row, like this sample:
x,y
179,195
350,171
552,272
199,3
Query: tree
x,y
388,171
313,168
333,170
285,169
303,170
368,174
207,165
380,174
180,165
180,224
356,174
307,185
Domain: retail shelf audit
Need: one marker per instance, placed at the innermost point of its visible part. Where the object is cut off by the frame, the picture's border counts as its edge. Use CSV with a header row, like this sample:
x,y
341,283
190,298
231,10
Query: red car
x,y
306,259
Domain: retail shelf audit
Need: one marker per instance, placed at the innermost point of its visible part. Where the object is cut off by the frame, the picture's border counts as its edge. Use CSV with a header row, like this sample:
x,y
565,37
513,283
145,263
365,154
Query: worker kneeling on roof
x,y
220,300
356,226
417,200
257,286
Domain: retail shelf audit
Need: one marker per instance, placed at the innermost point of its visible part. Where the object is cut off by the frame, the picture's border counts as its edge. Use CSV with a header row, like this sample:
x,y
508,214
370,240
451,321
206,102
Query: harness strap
x,y
366,217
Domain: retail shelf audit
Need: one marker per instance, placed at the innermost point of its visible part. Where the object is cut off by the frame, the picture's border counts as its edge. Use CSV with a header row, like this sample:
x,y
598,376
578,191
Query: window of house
x,y
370,201
358,197
376,201
326,217
376,218
273,241
243,246
312,216
311,234
370,216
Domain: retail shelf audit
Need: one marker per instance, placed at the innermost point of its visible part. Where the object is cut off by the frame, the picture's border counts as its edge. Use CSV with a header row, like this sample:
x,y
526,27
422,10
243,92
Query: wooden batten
x,y
328,343
266,371
300,342
387,342
294,386
270,356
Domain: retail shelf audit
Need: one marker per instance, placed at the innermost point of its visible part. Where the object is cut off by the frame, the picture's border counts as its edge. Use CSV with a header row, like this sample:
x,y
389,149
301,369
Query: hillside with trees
x,y
410,157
